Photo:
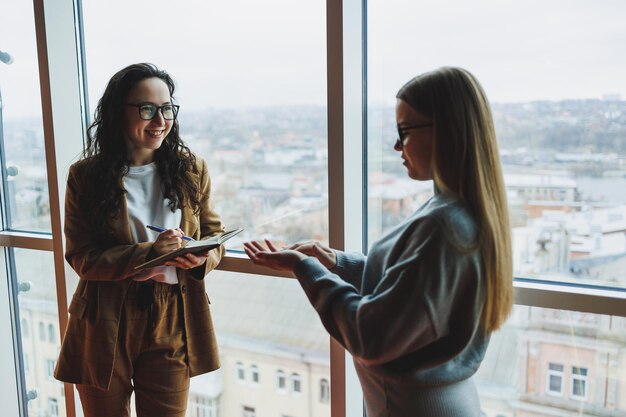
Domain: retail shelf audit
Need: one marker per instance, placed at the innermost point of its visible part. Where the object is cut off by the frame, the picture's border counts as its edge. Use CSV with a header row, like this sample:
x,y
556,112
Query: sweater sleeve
x,y
410,308
350,267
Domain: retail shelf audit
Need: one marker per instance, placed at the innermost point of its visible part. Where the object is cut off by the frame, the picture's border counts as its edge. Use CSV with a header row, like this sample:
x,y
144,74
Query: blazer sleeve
x,y
210,223
96,254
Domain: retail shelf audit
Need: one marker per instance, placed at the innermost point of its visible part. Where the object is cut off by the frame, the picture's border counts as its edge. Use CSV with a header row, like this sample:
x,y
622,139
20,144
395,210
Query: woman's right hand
x,y
324,254
168,241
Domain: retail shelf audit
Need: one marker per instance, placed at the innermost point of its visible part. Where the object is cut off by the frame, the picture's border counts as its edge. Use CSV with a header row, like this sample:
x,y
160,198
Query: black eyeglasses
x,y
402,130
148,111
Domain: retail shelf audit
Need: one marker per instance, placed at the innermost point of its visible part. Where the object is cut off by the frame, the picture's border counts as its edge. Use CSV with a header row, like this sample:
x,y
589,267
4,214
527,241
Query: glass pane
x,y
273,348
252,88
516,379
578,388
556,85
22,156
555,367
39,322
554,384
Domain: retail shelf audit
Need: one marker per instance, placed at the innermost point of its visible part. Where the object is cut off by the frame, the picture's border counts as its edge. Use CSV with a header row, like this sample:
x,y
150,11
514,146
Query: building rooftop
x,y
272,311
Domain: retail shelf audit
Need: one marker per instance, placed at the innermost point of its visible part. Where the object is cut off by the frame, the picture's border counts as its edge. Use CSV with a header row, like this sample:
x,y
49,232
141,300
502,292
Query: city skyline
x,y
275,160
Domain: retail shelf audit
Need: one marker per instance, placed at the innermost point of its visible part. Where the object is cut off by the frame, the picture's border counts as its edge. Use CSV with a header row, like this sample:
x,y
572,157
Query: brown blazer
x,y
104,261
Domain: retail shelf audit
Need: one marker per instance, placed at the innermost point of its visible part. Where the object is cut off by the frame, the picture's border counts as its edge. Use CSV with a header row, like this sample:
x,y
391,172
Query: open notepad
x,y
194,246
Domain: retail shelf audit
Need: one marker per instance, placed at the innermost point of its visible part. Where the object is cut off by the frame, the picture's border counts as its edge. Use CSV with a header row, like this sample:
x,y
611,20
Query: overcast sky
x,y
239,53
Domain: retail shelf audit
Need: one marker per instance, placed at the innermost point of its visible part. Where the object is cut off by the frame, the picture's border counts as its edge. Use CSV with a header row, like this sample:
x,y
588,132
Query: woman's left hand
x,y
271,257
188,261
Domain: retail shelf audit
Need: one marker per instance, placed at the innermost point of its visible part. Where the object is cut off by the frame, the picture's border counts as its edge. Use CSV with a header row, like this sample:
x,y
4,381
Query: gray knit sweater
x,y
409,313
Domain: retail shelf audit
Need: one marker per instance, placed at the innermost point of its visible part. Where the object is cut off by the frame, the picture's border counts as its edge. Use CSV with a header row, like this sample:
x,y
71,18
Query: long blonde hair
x,y
466,164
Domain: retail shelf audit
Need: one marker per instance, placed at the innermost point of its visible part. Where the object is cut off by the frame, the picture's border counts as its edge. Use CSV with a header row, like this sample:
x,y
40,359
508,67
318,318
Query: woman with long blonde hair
x,y
416,313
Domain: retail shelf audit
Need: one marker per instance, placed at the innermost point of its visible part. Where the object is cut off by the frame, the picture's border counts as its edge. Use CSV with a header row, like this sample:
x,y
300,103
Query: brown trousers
x,y
151,360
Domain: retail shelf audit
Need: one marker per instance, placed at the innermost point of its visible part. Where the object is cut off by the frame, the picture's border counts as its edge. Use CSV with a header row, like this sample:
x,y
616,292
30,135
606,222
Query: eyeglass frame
x,y
175,108
403,129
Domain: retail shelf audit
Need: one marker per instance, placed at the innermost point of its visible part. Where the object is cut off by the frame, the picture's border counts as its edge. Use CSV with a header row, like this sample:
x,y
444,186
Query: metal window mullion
x,y
5,212
25,240
12,381
57,51
334,86
580,298
553,295
346,163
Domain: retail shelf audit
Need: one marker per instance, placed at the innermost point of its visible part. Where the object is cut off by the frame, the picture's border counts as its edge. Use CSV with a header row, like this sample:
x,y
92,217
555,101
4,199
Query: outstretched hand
x,y
324,254
268,255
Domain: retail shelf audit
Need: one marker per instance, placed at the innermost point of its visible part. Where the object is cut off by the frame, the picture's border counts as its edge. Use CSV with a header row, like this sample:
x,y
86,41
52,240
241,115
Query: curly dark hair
x,y
102,190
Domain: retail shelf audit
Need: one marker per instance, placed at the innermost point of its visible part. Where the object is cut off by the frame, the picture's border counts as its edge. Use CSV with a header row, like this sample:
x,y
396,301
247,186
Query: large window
x,y
253,81
37,308
22,156
252,89
251,85
250,328
557,94
30,322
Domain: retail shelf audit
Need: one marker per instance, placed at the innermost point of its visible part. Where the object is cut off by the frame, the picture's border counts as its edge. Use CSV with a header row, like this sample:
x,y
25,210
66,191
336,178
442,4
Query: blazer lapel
x,y
189,222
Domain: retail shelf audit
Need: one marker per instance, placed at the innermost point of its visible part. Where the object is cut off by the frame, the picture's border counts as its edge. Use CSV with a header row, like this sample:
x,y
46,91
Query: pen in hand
x,y
160,230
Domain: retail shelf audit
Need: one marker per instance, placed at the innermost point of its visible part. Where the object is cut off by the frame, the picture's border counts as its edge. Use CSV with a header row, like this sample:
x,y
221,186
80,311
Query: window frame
x,y
583,379
254,374
240,372
557,374
53,407
41,332
49,365
247,411
281,376
55,35
201,406
295,380
324,387
64,104
51,333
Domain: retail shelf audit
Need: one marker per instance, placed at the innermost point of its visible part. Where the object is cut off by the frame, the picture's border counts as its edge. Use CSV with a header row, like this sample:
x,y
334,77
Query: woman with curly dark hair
x,y
150,330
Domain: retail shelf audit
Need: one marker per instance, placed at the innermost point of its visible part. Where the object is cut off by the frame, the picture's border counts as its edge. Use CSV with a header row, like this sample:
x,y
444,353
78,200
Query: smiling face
x,y
416,144
143,137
